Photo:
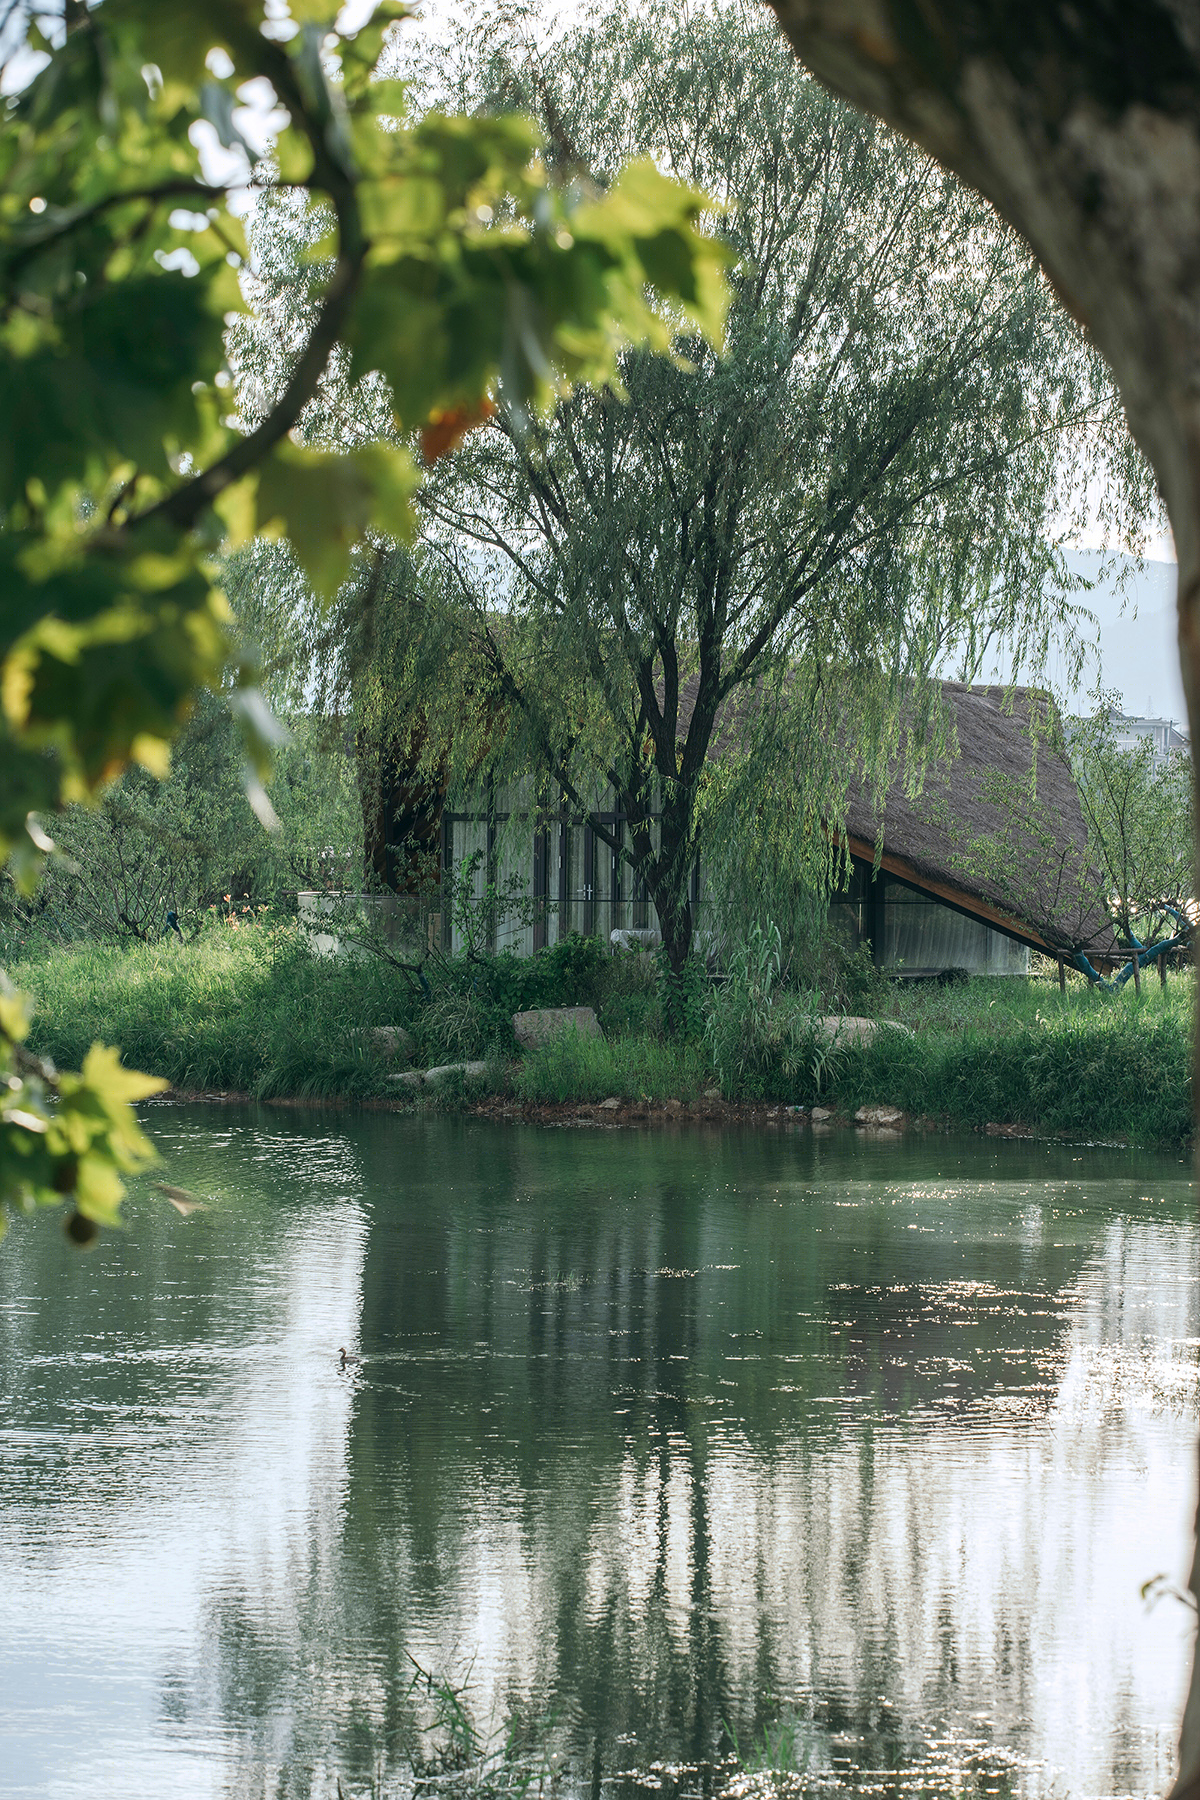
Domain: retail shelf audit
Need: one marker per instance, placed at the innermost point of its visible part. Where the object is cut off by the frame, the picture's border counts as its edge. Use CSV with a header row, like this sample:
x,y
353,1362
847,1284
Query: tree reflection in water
x,y
663,1436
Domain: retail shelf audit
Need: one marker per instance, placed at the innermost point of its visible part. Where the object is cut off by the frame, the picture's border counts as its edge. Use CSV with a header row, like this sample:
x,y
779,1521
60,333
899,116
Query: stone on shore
x,y
888,1118
412,1079
530,1028
471,1071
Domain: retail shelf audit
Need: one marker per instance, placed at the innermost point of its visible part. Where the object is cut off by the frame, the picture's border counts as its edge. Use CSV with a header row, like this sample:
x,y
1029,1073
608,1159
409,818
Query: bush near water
x,y
251,1009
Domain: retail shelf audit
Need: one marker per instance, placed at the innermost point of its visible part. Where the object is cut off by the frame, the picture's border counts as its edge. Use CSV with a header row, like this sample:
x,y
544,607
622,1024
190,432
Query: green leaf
x,y
324,504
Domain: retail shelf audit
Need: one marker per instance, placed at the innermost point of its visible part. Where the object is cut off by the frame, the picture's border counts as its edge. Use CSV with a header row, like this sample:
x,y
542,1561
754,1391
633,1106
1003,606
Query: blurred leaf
x,y
323,504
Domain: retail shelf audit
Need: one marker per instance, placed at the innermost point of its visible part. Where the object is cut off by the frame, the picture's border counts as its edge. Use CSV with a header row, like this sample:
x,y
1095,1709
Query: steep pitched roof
x,y
973,838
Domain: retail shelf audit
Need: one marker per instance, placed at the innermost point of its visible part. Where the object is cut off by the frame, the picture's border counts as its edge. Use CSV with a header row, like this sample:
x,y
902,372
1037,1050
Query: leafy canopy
x,y
716,589
448,261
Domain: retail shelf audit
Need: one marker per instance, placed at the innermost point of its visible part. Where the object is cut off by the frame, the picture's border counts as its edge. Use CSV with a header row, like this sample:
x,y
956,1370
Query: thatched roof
x,y
975,839
972,838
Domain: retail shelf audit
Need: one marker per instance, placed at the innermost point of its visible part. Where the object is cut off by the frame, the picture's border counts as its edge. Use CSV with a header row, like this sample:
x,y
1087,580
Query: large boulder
x,y
530,1028
389,1043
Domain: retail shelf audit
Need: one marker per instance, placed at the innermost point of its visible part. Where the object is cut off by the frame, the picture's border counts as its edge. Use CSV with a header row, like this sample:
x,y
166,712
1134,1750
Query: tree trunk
x,y
402,818
1080,121
675,923
672,904
670,884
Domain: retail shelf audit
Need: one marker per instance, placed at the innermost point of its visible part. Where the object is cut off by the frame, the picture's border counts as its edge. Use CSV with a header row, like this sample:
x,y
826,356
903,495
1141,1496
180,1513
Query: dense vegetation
x,y
247,1007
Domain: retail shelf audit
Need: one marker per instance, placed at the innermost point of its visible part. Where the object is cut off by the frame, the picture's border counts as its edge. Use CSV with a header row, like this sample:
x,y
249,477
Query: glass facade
x,y
550,875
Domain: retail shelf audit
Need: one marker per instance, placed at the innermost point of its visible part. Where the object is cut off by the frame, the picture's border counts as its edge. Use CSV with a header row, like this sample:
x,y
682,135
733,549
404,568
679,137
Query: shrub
x,y
683,998
765,1042
629,1005
569,973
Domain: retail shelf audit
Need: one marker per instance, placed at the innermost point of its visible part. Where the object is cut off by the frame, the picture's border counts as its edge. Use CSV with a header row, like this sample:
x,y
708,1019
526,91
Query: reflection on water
x,y
667,1437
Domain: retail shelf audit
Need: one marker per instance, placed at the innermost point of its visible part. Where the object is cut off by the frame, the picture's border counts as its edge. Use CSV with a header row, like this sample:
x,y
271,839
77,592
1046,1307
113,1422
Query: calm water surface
x,y
666,1436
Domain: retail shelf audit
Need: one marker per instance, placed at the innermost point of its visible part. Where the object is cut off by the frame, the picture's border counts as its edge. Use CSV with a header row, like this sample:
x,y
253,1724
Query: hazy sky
x,y
1138,653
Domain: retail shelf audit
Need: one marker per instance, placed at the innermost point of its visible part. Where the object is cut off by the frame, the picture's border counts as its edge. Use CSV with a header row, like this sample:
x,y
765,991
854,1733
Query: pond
x,y
858,1453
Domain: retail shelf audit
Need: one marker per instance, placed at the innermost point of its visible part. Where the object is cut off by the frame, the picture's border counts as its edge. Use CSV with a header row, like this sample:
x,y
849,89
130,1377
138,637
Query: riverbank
x,y
253,1014
502,1107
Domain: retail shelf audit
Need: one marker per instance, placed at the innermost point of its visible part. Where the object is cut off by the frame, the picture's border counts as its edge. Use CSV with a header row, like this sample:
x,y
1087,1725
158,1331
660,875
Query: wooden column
x,y
874,911
564,878
445,900
589,881
541,884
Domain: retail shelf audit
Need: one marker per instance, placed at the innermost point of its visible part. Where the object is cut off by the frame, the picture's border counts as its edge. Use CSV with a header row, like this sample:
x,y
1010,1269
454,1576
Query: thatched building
x,y
981,865
972,872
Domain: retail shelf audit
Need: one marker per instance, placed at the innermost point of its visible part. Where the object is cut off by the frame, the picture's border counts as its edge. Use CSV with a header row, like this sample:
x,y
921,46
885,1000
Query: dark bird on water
x,y
345,1359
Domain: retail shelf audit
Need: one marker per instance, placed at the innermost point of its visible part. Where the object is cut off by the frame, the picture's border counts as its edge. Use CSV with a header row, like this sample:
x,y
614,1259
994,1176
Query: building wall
x,y
553,875
1165,736
912,934
922,937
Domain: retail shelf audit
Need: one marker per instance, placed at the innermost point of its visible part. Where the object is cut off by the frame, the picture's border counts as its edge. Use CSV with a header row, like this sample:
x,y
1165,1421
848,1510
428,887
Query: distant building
x,y
963,879
1167,738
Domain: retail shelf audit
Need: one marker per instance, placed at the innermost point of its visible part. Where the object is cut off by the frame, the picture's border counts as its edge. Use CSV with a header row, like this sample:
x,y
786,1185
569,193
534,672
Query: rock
x,y
409,1082
673,1106
889,1117
531,1028
610,1105
412,1079
712,1095
821,1115
472,1071
847,1030
1008,1130
390,1043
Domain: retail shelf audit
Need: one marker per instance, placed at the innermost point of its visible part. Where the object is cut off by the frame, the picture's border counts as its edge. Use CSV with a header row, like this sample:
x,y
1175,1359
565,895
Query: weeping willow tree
x,y
718,586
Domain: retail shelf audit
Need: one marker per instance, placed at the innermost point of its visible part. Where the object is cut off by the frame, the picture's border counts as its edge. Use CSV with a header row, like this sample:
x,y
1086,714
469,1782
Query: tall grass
x,y
573,1067
1097,1064
253,1010
250,1010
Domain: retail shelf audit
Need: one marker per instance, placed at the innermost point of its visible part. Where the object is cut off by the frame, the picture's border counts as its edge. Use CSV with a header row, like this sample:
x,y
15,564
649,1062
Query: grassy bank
x,y
251,1010
1103,1068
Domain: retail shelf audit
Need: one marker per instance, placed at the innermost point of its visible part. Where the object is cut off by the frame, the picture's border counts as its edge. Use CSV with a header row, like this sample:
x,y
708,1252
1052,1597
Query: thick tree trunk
x,y
668,878
1080,121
